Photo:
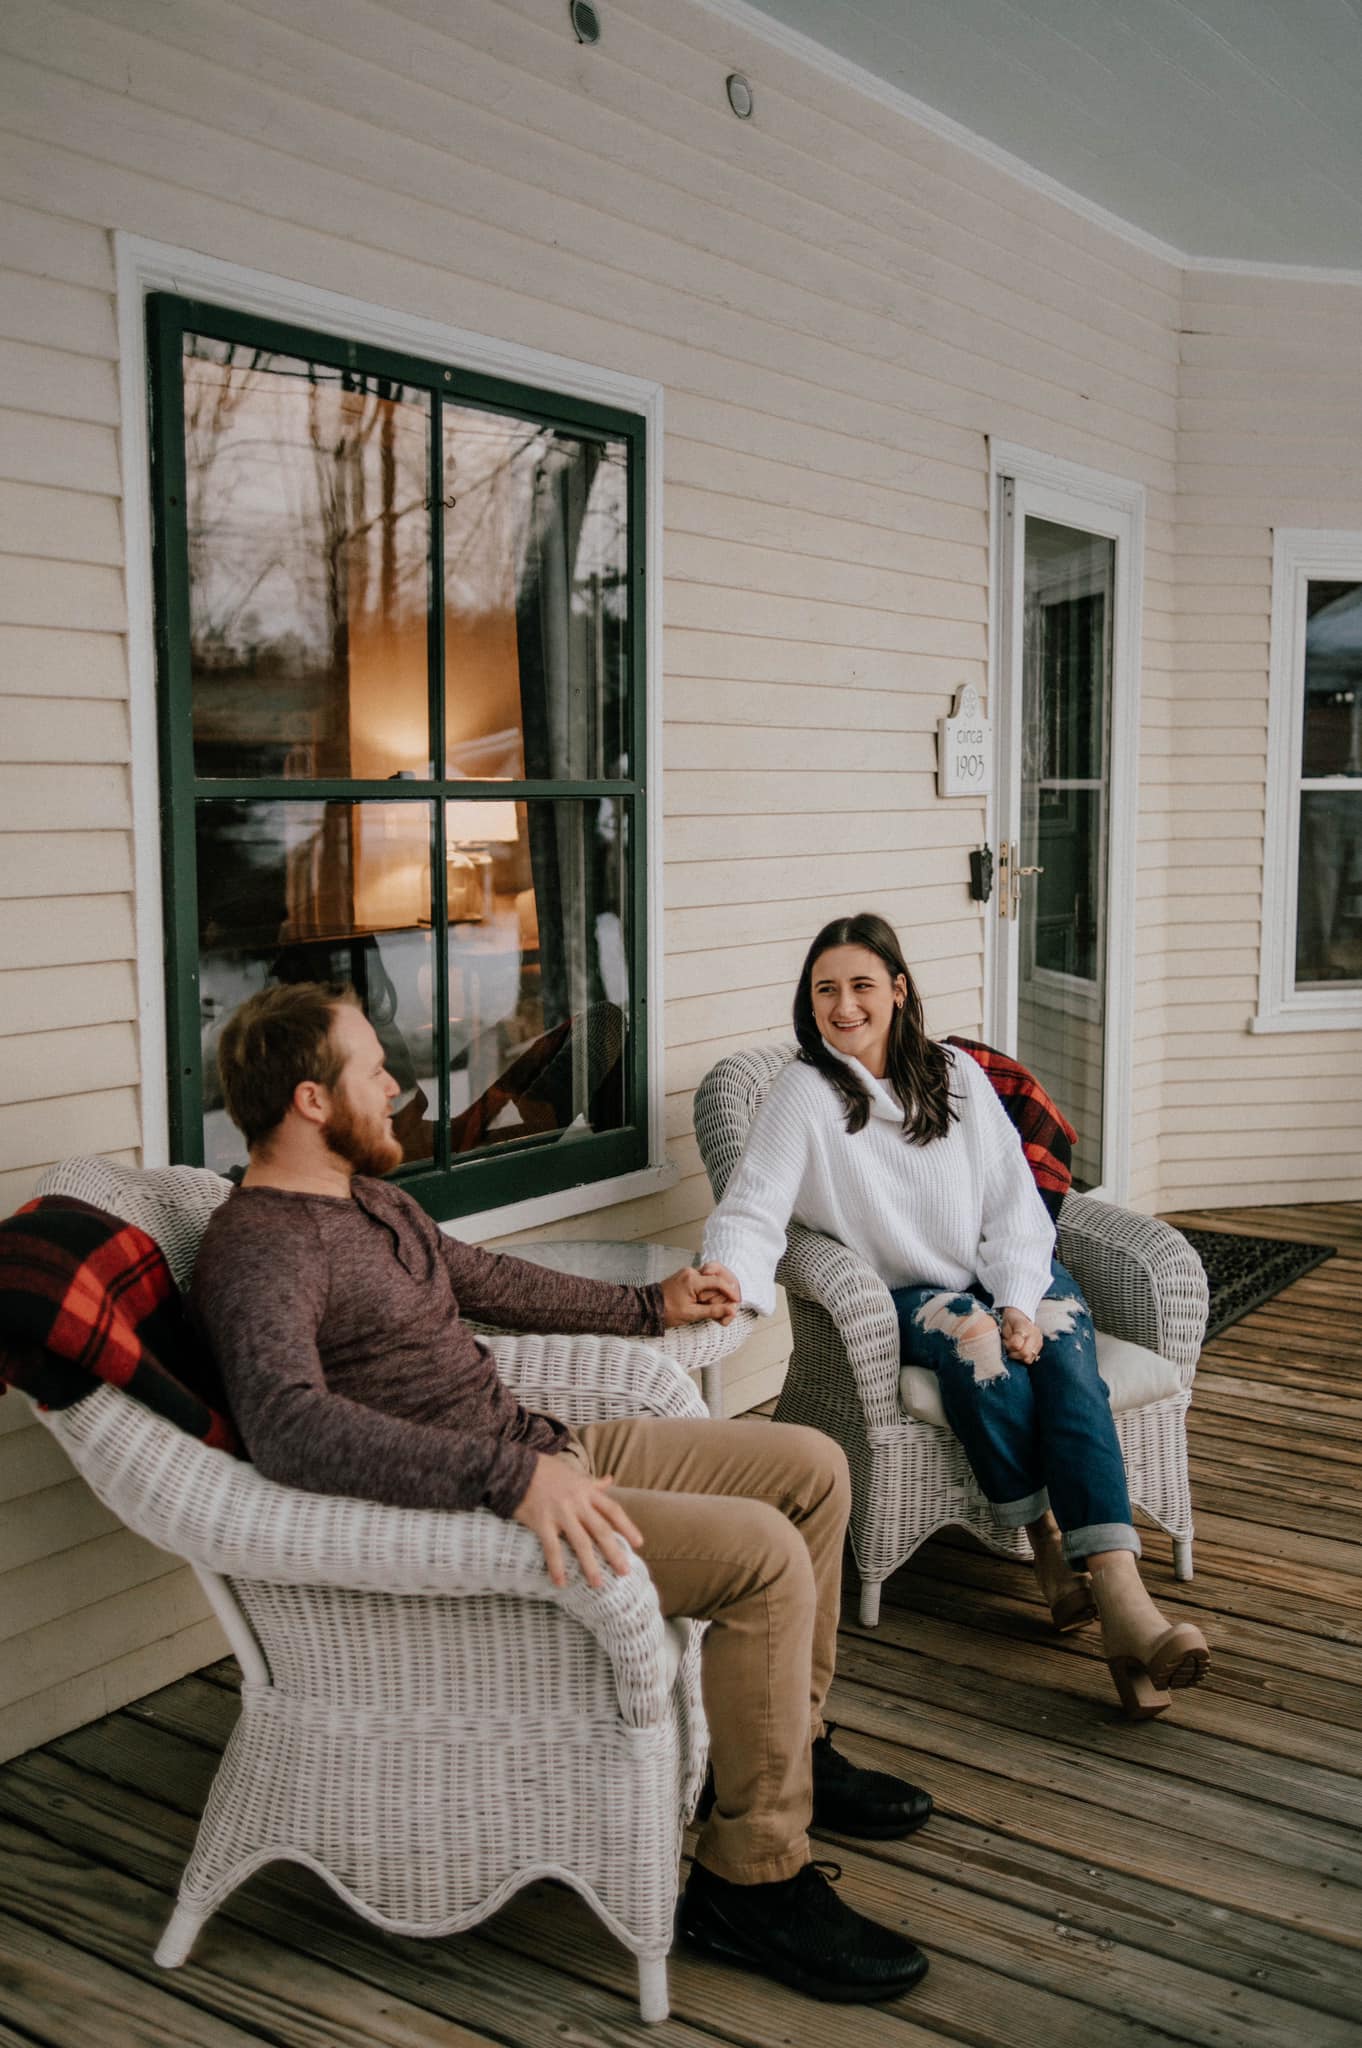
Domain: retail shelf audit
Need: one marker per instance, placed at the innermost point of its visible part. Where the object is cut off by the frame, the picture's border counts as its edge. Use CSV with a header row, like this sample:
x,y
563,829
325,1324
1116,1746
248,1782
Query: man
x,y
335,1308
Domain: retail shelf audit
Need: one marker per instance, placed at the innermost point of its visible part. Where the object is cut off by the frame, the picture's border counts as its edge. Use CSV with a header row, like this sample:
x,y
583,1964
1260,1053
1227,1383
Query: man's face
x,y
359,1129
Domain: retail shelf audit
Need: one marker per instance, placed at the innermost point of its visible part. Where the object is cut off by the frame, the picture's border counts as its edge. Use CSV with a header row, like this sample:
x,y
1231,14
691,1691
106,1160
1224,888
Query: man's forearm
x,y
514,1294
309,1438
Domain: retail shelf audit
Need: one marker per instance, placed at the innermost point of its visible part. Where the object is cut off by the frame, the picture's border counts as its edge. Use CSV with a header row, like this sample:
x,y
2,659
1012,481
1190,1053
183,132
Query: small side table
x,y
696,1347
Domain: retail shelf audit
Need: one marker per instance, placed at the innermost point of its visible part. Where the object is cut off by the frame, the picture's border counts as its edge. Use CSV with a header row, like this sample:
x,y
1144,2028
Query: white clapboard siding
x,y
841,308
1271,434
64,863
59,662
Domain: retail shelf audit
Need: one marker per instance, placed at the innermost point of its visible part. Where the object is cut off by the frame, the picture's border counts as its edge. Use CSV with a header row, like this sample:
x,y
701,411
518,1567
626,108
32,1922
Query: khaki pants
x,y
742,1526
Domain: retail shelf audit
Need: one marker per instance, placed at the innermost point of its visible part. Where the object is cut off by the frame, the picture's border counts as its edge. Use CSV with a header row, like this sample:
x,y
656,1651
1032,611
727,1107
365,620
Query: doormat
x,y
1244,1272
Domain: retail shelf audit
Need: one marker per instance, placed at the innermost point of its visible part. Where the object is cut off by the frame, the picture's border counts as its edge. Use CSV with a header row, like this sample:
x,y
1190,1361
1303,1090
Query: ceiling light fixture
x,y
586,23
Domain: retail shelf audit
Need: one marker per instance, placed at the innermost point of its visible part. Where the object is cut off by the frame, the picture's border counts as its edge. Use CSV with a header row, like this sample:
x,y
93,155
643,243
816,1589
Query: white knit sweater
x,y
960,1208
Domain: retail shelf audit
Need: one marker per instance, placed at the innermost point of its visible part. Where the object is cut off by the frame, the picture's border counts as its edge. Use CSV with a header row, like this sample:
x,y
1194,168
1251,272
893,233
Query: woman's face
x,y
854,1000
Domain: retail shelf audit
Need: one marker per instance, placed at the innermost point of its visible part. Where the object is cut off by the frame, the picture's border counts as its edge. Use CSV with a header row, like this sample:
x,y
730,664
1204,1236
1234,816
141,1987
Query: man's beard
x,y
367,1146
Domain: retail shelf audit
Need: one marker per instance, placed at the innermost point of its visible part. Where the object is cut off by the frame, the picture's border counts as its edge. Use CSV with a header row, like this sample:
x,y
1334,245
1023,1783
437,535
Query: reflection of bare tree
x,y
308,534
307,490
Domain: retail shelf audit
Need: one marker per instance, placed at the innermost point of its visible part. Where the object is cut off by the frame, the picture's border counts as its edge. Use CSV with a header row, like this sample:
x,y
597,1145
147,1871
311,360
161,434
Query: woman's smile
x,y
854,1001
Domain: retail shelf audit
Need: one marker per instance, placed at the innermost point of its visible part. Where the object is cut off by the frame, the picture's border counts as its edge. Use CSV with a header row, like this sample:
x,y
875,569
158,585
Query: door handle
x,y
1010,873
1017,873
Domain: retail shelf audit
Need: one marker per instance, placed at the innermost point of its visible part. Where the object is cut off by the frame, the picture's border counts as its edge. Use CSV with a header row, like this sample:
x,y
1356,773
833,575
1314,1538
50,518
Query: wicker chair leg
x,y
179,1937
1182,1557
870,1602
652,1989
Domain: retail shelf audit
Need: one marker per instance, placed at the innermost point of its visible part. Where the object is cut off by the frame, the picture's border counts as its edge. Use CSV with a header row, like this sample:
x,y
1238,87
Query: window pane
x,y
1067,894
539,992
1331,743
309,541
1329,889
536,599
1068,576
292,891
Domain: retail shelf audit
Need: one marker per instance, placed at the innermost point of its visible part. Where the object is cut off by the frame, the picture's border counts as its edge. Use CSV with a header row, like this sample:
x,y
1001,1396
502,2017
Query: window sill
x,y
556,1208
1316,1018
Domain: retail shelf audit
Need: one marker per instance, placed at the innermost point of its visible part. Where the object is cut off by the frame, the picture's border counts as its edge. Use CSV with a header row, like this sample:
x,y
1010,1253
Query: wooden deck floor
x,y
1085,1882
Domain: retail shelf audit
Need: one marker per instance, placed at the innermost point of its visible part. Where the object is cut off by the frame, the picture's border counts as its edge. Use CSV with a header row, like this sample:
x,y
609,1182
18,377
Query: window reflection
x,y
308,536
307,891
538,981
294,890
536,599
1329,888
1332,739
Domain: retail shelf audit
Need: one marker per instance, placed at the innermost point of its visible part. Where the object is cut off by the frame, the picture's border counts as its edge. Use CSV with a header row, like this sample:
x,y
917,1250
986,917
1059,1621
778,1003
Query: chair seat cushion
x,y
675,1641
1134,1378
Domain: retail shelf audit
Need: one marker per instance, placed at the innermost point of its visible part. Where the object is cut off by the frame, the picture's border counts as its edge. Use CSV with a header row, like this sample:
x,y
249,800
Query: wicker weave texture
x,y
427,1720
910,1479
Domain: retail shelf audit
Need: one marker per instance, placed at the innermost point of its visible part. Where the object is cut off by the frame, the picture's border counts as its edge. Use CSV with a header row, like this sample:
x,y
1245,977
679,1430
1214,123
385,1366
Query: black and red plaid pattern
x,y
85,1299
1047,1136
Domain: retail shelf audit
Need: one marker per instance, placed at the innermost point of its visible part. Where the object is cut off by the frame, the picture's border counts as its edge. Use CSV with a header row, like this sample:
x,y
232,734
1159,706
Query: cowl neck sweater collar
x,y
884,1103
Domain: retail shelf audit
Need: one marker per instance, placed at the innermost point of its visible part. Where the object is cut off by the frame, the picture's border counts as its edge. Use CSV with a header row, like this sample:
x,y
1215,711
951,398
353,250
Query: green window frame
x,y
510,1169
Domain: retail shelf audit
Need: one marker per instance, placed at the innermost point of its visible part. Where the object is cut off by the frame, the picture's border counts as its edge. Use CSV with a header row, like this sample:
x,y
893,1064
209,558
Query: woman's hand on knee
x,y
1022,1338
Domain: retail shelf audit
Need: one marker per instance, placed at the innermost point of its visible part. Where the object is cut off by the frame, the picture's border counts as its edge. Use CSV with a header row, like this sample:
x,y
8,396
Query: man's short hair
x,y
277,1039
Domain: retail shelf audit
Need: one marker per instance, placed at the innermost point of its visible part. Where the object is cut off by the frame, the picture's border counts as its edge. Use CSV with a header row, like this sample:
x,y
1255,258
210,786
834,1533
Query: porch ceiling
x,y
1225,128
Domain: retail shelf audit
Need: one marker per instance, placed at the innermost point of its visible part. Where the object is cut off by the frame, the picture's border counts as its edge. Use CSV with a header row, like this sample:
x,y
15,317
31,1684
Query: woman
x,y
898,1147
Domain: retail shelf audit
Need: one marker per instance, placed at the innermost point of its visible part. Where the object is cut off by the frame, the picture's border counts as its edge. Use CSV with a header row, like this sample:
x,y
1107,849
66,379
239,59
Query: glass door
x,y
1059,877
1061,920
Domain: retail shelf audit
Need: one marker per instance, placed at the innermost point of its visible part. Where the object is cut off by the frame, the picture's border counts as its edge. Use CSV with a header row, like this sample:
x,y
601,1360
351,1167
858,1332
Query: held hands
x,y
563,1502
1022,1338
705,1294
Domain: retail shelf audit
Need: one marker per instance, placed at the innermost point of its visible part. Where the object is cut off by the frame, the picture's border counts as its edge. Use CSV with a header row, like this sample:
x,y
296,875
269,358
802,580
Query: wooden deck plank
x,y
1279,1630
66,1998
1010,1851
204,1713
1085,1882
511,1990
1317,1680
118,1916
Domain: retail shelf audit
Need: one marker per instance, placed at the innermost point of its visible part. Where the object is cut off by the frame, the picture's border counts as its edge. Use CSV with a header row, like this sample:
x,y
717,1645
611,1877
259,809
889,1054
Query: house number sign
x,y
964,748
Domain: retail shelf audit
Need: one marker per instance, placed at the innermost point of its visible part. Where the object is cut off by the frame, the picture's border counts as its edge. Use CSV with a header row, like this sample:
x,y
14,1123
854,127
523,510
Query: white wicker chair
x,y
427,1721
909,1477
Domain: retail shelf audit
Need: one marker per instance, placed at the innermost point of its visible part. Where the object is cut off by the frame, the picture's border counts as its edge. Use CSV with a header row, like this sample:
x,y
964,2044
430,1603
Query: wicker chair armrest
x,y
225,1517
819,1269
1141,1278
593,1379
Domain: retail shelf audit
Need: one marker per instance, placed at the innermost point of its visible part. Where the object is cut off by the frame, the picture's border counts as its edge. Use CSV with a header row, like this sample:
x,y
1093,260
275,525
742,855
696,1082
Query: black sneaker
x,y
871,1804
801,1933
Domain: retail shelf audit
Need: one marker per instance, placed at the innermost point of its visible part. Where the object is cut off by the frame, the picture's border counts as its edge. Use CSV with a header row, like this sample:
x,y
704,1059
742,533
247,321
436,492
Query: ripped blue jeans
x,y
1038,1435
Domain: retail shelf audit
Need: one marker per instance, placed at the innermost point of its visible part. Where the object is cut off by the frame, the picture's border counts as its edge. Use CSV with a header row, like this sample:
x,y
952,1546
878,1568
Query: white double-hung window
x,y
1311,975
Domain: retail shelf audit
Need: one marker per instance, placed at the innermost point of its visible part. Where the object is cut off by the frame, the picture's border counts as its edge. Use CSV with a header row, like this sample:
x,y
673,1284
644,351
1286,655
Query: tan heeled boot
x,y
1067,1593
1147,1655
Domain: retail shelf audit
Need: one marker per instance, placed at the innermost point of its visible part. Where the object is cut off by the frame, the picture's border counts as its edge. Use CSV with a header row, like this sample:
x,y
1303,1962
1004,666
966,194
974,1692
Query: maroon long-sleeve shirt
x,y
337,1325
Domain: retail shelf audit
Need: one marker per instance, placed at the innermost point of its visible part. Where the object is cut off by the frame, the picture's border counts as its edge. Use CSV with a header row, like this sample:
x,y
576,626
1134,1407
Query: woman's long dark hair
x,y
917,1069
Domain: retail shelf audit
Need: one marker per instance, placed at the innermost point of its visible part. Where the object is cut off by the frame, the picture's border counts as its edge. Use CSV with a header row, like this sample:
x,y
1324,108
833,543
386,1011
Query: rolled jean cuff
x,y
1015,1514
1099,1536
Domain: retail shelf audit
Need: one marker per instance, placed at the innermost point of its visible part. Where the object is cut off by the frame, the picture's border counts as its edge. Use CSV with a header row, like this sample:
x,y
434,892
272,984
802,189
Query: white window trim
x,y
1298,553
142,267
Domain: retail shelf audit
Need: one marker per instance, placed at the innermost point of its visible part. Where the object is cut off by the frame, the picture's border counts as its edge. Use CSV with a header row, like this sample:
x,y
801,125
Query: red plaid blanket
x,y
1047,1135
86,1298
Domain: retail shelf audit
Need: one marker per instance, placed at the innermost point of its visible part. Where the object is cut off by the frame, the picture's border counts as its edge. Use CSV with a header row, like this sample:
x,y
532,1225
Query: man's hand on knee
x,y
564,1504
709,1293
